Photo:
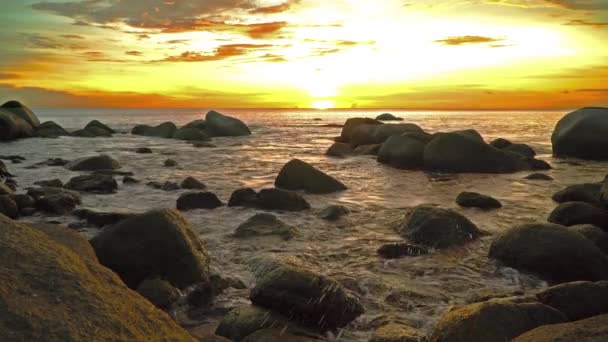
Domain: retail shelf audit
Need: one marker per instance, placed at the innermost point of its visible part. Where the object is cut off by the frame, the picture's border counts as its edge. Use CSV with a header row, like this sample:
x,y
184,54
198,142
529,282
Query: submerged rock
x,y
334,212
265,225
582,134
53,183
95,183
165,130
594,329
299,175
170,163
101,162
577,300
143,150
198,200
129,180
475,200
401,249
219,125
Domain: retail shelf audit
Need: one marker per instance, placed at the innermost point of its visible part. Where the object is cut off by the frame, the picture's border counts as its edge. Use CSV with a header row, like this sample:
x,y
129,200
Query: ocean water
x,y
415,291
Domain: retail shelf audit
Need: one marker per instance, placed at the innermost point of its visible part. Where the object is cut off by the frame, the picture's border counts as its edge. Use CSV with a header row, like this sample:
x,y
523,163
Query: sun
x,y
322,104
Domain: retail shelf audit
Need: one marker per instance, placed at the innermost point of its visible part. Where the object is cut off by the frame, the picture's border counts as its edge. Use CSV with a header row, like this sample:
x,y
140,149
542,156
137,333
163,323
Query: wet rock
x,y
404,151
165,130
53,183
597,235
588,193
129,180
159,243
277,199
159,292
367,150
537,164
438,227
99,184
11,185
8,207
22,111
378,134
219,125
395,332
494,320
265,225
144,150
97,125
166,186
101,219
577,300
192,183
582,134
101,162
51,129
303,296
352,124
170,163
339,150
39,193
198,124
59,204
245,197
594,329
388,117
475,200
202,294
5,189
334,212
539,176
521,149
242,322
23,201
69,282
198,200
190,134
501,143
401,249
13,127
552,251
573,213
299,175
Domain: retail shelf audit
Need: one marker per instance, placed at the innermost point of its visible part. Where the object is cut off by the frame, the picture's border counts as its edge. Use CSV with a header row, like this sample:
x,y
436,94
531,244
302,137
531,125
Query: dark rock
x,y
352,124
39,193
54,162
192,183
475,200
539,176
23,201
521,149
277,199
51,129
190,134
100,184
404,151
198,200
265,225
198,124
242,322
401,249
577,300
8,207
593,233
101,162
245,197
299,175
573,213
144,150
53,183
166,186
159,243
501,143
170,163
334,212
378,134
539,165
218,125
22,112
388,117
83,133
494,320
96,125
594,329
100,219
11,185
13,127
438,227
303,296
552,251
59,204
5,189
129,180
395,332
367,150
588,193
165,130
582,134
27,211
159,292
340,150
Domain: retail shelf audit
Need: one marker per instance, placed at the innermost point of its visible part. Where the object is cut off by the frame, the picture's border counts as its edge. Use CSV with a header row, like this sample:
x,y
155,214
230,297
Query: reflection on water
x,y
412,290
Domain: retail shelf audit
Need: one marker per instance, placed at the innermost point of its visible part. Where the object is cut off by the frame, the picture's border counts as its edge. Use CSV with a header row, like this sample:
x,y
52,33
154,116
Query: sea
x,y
414,291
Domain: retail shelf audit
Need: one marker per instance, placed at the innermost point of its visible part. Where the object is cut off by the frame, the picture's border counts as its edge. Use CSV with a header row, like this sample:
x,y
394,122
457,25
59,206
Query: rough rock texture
x,y
475,200
101,162
219,125
582,134
265,225
395,332
13,127
574,213
299,175
577,300
198,200
159,243
165,130
83,293
594,329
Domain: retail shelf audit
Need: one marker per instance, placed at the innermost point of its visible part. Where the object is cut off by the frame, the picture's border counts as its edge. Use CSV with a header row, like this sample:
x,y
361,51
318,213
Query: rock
x,y
475,200
265,225
198,124
404,151
53,183
594,329
340,150
51,129
13,127
23,201
378,134
494,320
577,300
129,180
8,207
573,213
242,322
401,249
5,190
170,163
11,185
303,296
438,227
470,134
539,176
39,193
198,200
166,186
521,149
55,200
100,219
588,193
463,152
190,134
218,125
96,125
69,282
299,175
388,117
352,124
551,251
277,199
201,144
54,162
395,332
159,292
245,197
165,130
101,162
192,183
581,134
84,133
367,150
334,212
277,335
144,150
21,111
99,184
593,233
537,164
501,143
158,243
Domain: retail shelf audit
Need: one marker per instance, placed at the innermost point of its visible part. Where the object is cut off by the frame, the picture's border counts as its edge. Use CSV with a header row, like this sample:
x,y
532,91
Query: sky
x,y
411,54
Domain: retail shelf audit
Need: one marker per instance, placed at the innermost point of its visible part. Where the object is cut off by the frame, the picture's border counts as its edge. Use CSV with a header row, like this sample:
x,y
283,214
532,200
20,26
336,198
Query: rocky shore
x,y
149,276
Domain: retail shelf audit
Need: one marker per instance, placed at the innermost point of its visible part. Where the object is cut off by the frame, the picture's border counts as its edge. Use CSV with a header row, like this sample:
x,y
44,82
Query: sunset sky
x,y
431,54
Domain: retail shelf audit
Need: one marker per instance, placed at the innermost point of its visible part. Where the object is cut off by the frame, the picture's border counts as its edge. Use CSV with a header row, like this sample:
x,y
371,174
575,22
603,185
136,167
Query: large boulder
x,y
465,152
219,125
494,320
299,175
96,124
404,151
190,134
594,329
573,213
437,227
352,124
593,233
582,134
277,199
198,200
164,130
265,225
552,251
54,289
303,296
159,292
340,150
474,200
159,243
13,127
587,192
50,129
22,111
577,300
377,134
101,162
94,183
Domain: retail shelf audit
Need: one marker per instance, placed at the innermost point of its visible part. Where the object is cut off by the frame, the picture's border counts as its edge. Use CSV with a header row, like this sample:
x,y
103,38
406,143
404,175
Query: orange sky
x,y
423,54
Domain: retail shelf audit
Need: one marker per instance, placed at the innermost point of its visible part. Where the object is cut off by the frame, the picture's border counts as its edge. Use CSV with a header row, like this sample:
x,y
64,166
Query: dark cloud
x,y
465,40
38,41
134,53
222,52
581,22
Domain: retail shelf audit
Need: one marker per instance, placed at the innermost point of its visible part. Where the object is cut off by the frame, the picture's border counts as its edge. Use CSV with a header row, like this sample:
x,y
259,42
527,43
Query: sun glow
x,y
322,104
